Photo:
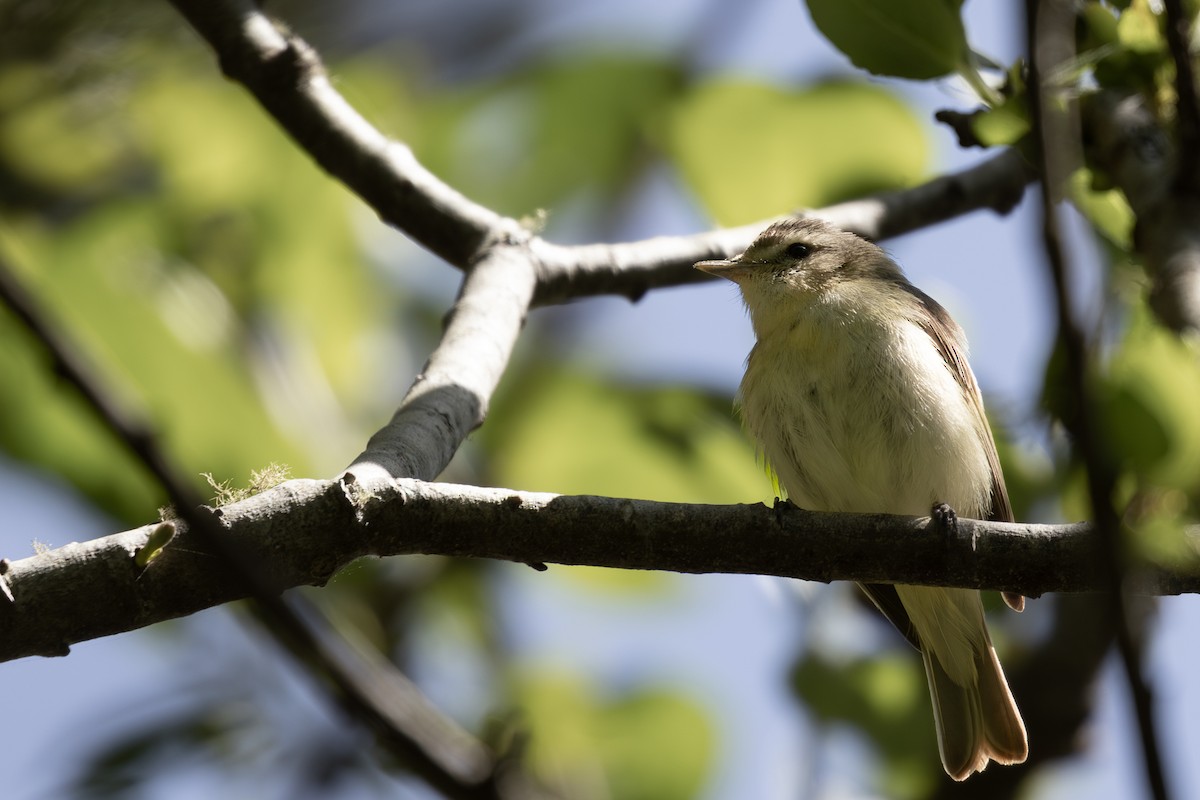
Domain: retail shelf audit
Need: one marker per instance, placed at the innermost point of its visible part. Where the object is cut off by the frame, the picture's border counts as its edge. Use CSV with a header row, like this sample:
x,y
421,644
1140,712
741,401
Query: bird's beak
x,y
733,268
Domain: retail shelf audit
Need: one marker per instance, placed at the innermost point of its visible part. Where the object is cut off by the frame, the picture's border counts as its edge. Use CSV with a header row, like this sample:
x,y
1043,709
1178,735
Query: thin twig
x,y
1187,111
1080,417
376,696
633,268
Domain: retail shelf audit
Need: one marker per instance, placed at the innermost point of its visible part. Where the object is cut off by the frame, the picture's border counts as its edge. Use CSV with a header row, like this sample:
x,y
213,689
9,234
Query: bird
x,y
859,397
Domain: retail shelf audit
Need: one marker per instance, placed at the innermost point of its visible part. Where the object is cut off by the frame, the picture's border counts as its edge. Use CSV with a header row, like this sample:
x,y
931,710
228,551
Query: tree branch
x,y
1187,112
303,531
1049,38
1127,141
633,268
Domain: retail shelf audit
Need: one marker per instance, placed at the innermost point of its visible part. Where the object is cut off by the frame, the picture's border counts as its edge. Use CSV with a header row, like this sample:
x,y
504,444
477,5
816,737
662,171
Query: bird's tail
x,y
977,719
975,723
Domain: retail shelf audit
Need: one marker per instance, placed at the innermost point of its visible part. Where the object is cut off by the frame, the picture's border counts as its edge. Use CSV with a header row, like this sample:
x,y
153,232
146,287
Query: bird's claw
x,y
782,505
945,518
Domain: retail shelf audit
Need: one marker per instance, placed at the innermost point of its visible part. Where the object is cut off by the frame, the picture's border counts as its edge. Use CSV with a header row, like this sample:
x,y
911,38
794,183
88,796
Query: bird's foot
x,y
945,519
782,505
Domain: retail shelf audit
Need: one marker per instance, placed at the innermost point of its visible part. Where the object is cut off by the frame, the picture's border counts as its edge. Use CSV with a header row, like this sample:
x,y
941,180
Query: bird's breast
x,y
857,414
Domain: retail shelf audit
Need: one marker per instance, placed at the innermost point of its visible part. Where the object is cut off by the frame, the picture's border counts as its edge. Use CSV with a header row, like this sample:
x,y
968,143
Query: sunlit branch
x,y
633,268
450,397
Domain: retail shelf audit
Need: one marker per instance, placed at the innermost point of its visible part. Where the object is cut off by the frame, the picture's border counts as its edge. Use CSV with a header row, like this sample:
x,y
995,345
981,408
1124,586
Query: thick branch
x,y
1126,139
304,531
1049,33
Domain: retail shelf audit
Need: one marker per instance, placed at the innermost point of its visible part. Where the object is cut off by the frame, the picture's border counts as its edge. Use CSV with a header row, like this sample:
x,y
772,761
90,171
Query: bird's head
x,y
799,259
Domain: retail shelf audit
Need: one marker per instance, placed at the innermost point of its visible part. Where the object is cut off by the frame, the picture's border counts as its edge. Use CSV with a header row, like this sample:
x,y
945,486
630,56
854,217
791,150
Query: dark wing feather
x,y
885,598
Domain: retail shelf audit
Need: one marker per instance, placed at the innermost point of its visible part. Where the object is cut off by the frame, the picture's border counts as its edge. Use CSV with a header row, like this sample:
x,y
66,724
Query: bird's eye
x,y
798,250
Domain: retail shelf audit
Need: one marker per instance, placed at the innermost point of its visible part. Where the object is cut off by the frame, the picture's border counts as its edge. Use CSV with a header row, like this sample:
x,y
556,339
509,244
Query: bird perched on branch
x,y
859,396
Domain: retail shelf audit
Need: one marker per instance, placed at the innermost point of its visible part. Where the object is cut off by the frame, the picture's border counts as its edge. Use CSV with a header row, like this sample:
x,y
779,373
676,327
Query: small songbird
x,y
859,396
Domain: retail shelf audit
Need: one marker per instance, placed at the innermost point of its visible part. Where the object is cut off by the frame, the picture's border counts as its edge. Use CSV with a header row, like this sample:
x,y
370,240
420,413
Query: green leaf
x,y
751,151
155,544
1099,26
918,39
1106,208
1166,533
1133,428
1004,125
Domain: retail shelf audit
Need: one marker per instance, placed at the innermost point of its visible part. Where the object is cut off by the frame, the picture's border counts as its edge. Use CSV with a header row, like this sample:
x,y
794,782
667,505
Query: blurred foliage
x,y
1157,377
1106,208
1029,474
212,278
529,139
560,430
885,698
752,151
1148,407
555,429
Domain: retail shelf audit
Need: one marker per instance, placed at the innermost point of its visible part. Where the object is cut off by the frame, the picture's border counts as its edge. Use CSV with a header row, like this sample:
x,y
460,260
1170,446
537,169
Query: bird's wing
x,y
947,336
